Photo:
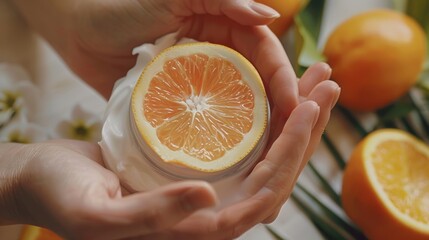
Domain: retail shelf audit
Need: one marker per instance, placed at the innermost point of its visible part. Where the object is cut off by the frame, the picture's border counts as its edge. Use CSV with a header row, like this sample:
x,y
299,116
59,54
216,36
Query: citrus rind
x,y
370,147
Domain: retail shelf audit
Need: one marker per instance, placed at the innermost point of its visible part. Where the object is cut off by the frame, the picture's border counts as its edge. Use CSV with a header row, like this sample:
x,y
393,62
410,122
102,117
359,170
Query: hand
x,y
61,185
293,140
96,37
228,22
99,40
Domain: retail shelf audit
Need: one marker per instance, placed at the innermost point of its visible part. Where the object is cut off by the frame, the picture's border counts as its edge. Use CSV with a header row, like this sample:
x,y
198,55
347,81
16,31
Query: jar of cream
x,y
167,121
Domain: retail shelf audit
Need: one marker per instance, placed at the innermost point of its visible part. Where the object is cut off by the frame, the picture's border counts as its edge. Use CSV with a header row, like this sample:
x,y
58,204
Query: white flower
x,y
82,125
21,131
6,116
18,95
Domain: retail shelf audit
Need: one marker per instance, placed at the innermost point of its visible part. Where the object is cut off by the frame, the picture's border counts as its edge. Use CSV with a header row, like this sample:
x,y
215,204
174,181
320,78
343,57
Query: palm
x,y
69,178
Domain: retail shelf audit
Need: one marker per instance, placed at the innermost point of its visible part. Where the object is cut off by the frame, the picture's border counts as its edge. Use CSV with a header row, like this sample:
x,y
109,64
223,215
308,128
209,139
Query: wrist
x,y
13,159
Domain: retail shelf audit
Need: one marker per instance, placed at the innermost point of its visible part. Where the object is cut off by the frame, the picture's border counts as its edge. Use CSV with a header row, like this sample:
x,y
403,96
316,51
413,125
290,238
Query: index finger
x,y
272,179
281,164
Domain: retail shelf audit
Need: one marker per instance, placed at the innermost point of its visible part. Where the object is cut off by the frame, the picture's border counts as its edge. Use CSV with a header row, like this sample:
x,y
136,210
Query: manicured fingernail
x,y
264,10
335,98
316,114
198,198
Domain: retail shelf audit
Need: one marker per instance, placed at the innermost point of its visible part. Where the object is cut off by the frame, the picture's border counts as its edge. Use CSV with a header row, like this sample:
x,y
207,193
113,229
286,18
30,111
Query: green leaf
x,y
334,151
409,127
353,120
325,185
397,115
311,17
309,53
274,233
423,82
332,215
326,228
419,109
307,24
397,110
418,9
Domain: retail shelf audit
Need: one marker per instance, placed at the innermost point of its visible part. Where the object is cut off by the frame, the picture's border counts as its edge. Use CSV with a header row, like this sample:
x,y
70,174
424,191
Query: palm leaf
x,y
340,222
324,226
334,151
335,197
274,234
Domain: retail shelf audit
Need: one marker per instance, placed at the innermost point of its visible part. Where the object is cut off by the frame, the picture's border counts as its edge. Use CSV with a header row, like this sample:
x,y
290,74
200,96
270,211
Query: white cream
x,y
122,153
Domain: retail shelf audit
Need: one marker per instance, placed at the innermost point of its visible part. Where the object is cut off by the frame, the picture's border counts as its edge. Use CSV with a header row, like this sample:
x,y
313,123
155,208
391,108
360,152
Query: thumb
x,y
160,209
244,12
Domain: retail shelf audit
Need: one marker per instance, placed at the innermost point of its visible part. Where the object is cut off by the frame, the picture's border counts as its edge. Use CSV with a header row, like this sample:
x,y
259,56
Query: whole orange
x,y
287,9
376,57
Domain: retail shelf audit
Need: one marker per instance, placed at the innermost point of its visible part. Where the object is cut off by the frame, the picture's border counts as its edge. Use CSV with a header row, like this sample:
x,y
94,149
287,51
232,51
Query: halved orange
x,y
386,186
30,232
200,105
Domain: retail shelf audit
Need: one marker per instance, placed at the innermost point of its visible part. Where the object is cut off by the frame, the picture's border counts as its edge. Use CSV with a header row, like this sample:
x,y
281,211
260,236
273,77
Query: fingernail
x,y
328,71
316,114
264,10
315,110
336,97
198,198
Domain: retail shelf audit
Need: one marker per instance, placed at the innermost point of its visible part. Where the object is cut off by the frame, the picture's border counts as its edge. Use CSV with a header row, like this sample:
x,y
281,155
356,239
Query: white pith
x,y
371,146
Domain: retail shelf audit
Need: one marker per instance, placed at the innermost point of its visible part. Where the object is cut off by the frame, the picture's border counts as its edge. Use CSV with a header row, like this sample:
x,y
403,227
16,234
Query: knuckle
x,y
152,220
236,231
271,218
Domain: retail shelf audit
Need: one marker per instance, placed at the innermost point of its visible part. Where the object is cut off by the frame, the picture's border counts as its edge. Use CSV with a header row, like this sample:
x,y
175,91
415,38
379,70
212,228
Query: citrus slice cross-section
x,y
200,105
386,186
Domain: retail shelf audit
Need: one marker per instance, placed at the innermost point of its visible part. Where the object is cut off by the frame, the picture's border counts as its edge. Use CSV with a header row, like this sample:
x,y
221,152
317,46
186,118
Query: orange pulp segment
x,y
200,105
386,186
